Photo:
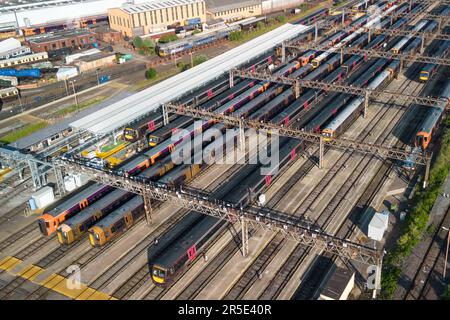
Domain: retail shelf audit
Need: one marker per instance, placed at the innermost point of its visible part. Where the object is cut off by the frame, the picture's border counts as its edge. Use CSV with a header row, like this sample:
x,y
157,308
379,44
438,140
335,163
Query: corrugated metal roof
x,y
156,4
119,114
224,5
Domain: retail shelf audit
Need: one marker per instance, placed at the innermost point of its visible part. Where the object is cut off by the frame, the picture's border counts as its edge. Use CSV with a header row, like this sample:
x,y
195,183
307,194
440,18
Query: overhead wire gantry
x,y
294,228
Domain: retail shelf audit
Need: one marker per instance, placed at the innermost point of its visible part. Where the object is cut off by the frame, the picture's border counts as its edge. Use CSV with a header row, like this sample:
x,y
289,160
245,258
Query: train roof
x,y
119,213
119,114
102,202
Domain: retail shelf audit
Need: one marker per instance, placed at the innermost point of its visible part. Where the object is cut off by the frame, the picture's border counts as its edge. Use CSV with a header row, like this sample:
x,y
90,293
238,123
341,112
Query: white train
x,y
23,59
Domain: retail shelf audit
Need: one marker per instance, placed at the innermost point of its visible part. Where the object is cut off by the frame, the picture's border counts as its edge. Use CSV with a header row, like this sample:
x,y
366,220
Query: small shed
x,y
65,73
337,284
43,197
92,62
378,225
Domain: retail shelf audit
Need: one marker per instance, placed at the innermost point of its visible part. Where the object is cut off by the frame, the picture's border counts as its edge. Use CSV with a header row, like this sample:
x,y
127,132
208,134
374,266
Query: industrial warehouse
x,y
313,138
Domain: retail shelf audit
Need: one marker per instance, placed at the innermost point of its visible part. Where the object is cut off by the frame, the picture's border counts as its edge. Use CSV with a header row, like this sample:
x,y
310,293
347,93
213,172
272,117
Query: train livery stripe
x,y
54,282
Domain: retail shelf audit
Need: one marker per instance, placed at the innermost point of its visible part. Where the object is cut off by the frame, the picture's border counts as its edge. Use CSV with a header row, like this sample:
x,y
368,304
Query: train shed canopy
x,y
125,111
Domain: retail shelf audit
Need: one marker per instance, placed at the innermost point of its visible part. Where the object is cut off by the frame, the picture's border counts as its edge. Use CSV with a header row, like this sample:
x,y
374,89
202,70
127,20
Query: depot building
x,y
141,19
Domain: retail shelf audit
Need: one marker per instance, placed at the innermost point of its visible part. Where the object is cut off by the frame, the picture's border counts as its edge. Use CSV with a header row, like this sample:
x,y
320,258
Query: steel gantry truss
x,y
291,227
369,53
422,158
319,85
39,168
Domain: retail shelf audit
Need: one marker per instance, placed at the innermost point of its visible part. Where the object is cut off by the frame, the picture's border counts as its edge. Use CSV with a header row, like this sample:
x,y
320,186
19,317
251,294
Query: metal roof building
x,y
43,12
123,112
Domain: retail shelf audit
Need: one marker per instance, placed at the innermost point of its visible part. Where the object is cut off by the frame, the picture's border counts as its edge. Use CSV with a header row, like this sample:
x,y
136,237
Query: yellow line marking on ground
x,y
53,282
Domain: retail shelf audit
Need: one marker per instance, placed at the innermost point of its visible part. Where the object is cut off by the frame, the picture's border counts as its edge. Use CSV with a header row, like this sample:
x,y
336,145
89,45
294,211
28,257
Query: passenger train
x,y
432,120
57,214
23,59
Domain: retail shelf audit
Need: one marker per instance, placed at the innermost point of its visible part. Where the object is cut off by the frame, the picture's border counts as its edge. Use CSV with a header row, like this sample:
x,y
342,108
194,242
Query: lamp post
x,y
446,251
74,92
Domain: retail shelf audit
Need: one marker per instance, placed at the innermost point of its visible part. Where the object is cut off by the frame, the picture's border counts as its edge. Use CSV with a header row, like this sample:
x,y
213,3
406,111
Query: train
x,y
167,49
7,82
66,25
56,215
29,58
104,232
342,38
129,212
430,68
8,93
14,53
432,119
186,241
23,73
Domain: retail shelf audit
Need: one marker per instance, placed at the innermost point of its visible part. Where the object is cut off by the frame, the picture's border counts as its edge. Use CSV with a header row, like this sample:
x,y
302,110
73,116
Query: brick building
x,y
155,16
76,39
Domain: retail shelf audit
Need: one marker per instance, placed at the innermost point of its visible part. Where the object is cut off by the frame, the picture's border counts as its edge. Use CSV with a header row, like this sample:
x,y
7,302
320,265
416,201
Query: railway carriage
x,y
432,121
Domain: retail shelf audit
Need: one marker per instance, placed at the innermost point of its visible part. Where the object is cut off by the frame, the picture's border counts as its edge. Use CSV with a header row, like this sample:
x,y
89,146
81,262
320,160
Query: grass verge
x,y
23,132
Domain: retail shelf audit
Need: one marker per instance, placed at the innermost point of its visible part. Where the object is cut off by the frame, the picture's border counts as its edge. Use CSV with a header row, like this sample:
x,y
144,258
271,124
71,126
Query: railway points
x,y
356,121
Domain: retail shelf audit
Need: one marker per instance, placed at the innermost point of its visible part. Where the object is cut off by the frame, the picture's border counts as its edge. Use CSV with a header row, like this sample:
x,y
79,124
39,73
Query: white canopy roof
x,y
125,111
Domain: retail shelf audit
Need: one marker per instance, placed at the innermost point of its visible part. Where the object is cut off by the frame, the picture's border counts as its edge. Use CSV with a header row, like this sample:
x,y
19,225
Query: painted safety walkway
x,y
54,282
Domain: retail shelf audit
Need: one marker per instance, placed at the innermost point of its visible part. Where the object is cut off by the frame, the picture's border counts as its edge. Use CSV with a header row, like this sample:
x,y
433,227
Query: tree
x,y
271,21
282,19
200,59
149,46
150,73
137,42
168,38
236,36
260,25
196,31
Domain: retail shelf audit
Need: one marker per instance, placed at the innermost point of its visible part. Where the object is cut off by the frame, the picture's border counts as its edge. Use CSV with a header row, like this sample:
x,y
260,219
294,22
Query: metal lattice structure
x,y
370,53
358,91
291,227
39,169
314,138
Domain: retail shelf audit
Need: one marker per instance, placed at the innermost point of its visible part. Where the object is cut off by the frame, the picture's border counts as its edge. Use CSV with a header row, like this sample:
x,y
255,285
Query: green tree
x,y
281,18
271,21
137,42
236,36
149,46
446,295
200,59
150,73
168,38
196,31
260,25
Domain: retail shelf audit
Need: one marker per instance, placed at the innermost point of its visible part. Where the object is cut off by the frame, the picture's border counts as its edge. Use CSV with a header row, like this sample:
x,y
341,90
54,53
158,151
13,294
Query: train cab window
x,y
96,236
153,139
64,234
159,273
47,225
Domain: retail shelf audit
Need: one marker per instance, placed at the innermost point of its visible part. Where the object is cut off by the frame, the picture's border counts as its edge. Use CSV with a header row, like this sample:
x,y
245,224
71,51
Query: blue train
x,y
167,49
25,73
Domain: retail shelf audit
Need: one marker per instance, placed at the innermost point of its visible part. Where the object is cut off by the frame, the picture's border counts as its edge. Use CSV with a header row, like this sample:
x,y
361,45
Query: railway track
x,y
298,175
239,290
108,277
308,288
299,254
429,275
